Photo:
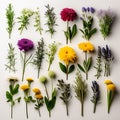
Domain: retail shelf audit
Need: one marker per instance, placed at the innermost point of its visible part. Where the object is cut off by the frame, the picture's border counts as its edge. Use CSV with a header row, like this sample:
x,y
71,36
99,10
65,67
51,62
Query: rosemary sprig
x,y
51,19
98,63
24,19
52,48
39,55
10,19
80,88
37,24
11,58
65,90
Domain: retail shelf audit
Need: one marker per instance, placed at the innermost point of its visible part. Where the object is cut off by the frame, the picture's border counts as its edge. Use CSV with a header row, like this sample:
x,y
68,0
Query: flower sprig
x,y
52,49
25,45
51,19
13,90
27,97
37,24
108,58
87,20
80,88
10,19
39,55
111,88
24,19
39,99
87,47
67,55
11,58
98,66
106,19
49,101
65,91
69,15
96,94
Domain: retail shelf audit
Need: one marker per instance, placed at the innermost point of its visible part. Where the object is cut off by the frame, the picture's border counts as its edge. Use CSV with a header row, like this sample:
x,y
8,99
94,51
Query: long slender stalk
x,y
11,110
82,109
26,110
46,90
67,30
66,72
86,72
94,110
24,64
67,109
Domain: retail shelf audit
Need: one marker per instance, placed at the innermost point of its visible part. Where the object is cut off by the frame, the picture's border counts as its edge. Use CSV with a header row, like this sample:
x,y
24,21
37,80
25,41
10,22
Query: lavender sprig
x,y
51,19
96,94
106,18
98,63
87,20
108,58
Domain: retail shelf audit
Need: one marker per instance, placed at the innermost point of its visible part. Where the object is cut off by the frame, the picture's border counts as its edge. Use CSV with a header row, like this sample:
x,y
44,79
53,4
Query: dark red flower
x,y
68,14
25,44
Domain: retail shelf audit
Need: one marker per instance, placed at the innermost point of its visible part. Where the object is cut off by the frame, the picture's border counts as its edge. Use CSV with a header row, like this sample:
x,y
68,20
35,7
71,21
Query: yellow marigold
x,y
86,46
107,82
67,55
111,87
25,87
29,79
38,96
36,91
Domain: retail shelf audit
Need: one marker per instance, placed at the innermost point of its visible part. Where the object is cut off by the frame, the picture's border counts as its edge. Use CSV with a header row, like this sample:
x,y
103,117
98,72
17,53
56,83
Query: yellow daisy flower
x,y
107,82
86,46
67,55
111,87
38,96
36,91
29,79
25,87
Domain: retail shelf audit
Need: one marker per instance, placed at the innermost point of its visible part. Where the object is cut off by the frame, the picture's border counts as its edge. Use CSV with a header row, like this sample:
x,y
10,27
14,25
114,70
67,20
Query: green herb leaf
x,y
74,31
9,96
63,67
71,68
81,68
15,90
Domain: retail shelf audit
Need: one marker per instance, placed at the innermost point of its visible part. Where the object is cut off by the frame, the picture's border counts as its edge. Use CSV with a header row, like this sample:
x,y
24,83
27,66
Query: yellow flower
x,y
86,46
36,91
111,87
107,82
29,79
67,55
38,96
25,87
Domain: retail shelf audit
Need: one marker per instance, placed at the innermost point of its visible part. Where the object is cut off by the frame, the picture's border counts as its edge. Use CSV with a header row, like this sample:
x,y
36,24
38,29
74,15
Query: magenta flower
x,y
25,45
68,14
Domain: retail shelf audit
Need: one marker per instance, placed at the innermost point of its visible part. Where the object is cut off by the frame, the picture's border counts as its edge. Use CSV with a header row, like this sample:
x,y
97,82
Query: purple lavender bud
x,y
88,9
99,51
92,10
83,9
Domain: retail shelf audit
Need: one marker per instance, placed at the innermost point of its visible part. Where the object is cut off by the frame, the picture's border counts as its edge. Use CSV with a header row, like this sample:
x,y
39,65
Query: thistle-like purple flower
x,y
96,94
25,44
108,57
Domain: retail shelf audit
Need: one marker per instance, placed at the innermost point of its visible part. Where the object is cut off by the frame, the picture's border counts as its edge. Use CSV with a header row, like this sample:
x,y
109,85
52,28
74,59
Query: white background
x,y
59,112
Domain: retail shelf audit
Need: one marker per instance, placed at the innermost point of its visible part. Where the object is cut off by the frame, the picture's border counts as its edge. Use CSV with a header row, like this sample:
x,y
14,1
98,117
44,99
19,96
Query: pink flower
x,y
68,14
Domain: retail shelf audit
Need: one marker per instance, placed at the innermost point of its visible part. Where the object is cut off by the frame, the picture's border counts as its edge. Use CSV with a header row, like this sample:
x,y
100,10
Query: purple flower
x,y
92,10
88,9
25,44
83,9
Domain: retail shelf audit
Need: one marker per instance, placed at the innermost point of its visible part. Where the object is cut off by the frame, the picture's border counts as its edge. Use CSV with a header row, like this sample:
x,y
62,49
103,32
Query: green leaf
x,y
9,96
54,93
63,67
82,31
81,68
71,68
74,30
11,89
89,63
47,103
66,34
18,99
93,31
15,90
69,33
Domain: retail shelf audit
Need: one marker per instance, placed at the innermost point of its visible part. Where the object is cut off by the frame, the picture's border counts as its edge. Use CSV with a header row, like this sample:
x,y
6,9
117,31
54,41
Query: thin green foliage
x,y
10,19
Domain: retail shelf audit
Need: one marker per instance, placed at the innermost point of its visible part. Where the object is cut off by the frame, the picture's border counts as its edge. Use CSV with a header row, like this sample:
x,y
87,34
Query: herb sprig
x,y
51,19
11,58
10,19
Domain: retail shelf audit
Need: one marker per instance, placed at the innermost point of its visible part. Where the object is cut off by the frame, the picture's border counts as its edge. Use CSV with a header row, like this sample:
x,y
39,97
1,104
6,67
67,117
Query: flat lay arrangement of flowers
x,y
61,71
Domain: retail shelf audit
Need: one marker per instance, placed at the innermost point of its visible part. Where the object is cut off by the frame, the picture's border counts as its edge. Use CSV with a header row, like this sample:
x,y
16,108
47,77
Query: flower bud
x,y
43,79
51,74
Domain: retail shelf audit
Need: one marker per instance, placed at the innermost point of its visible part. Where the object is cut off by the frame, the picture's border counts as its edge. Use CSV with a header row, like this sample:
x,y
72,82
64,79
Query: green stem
x,y
46,90
49,113
67,109
26,110
82,109
11,110
49,66
66,72
39,112
24,65
94,110
86,72
38,72
67,30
